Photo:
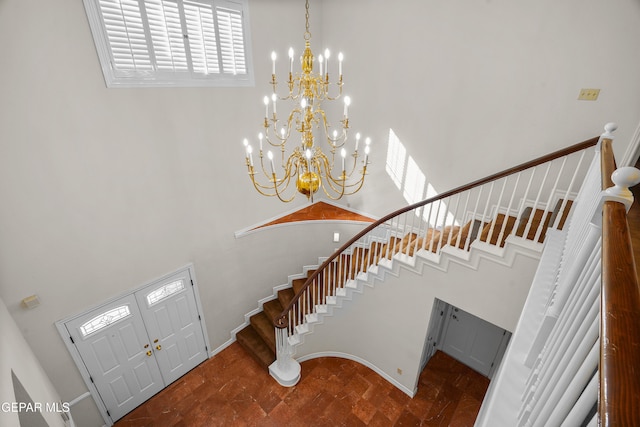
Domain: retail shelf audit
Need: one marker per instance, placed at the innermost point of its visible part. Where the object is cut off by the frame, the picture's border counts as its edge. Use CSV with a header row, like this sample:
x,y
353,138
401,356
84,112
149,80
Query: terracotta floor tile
x,y
230,389
364,410
466,412
407,419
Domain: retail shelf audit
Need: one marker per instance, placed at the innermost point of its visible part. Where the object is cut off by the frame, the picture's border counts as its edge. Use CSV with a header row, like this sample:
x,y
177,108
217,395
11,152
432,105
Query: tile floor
x,y
231,389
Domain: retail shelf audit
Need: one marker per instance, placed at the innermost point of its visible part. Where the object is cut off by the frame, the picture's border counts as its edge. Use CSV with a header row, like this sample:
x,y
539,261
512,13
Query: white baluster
x,y
547,209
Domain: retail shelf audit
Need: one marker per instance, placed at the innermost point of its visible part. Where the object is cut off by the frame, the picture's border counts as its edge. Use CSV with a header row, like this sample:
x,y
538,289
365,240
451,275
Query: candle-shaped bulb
x,y
303,103
357,140
320,61
307,154
270,156
282,132
266,106
335,134
260,136
291,60
347,102
273,98
245,142
327,54
366,154
249,151
343,153
340,58
273,62
367,141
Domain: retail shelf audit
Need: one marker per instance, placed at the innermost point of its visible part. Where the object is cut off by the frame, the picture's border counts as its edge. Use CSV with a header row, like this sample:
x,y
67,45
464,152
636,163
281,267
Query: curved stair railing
x,y
619,373
573,357
517,205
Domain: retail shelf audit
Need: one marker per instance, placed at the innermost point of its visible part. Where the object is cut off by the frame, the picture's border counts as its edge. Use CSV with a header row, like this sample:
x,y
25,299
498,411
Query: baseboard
x,y
374,368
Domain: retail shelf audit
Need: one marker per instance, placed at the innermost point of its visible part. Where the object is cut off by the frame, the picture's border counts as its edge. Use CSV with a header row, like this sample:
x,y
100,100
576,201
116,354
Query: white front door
x,y
171,316
113,343
134,346
473,341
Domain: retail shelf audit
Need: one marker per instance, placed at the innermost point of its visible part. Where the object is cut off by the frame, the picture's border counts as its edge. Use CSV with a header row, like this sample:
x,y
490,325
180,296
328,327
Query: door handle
x,y
158,347
149,353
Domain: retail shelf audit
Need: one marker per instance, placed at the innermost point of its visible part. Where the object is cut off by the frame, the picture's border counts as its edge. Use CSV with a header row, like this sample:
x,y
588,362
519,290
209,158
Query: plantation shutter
x,y
171,42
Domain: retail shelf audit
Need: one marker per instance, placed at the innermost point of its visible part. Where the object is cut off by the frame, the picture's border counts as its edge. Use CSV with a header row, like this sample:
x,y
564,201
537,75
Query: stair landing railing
x,y
519,203
619,374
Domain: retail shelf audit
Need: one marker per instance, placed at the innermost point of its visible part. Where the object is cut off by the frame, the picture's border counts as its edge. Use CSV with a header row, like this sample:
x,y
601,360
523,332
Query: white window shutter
x,y
203,45
231,39
172,42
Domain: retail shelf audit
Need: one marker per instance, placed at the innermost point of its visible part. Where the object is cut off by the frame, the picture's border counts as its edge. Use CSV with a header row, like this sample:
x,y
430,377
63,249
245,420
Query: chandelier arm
x,y
264,170
259,188
347,189
275,187
354,165
296,84
274,129
330,179
339,84
340,140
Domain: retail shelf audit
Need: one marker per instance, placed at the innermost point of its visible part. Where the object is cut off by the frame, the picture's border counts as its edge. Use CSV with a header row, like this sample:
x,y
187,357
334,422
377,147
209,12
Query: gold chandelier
x,y
307,165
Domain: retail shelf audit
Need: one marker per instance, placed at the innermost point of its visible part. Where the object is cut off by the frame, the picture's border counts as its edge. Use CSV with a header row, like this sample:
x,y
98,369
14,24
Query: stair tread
x,y
272,309
251,341
264,327
297,284
285,296
497,228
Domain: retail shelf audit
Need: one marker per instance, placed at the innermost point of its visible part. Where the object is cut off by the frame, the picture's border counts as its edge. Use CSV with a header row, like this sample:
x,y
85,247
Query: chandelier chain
x,y
307,34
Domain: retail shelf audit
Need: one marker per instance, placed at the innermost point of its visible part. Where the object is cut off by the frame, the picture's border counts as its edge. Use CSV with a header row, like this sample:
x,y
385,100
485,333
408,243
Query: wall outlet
x,y
588,94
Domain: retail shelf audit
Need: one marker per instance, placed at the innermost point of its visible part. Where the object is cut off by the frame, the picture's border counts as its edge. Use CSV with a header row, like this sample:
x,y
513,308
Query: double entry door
x,y
135,346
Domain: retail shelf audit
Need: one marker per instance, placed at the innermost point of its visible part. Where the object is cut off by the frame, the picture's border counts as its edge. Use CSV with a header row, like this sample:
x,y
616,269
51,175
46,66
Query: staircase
x,y
258,338
492,218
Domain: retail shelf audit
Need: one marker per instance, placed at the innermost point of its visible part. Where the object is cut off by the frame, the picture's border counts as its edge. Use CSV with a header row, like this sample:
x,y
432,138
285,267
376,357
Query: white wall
x,y
17,356
104,189
387,324
475,87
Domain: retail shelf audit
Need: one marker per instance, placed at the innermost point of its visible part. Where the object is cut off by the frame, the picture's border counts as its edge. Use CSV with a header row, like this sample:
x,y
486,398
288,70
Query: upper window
x,y
172,42
104,320
165,292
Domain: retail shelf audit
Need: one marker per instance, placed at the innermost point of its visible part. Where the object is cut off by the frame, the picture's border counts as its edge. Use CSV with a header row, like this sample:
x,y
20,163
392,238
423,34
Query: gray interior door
x,y
473,341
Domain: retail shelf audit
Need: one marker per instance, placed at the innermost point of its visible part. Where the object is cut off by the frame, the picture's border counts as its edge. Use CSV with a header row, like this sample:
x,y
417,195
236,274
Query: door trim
x,y
75,354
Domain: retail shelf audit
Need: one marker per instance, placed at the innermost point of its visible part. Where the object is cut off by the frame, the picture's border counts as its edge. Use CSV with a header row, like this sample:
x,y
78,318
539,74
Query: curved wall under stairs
x,y
383,323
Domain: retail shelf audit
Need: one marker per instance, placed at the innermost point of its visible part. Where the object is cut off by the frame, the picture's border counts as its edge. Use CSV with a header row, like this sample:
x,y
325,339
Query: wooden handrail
x,y
281,321
619,401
